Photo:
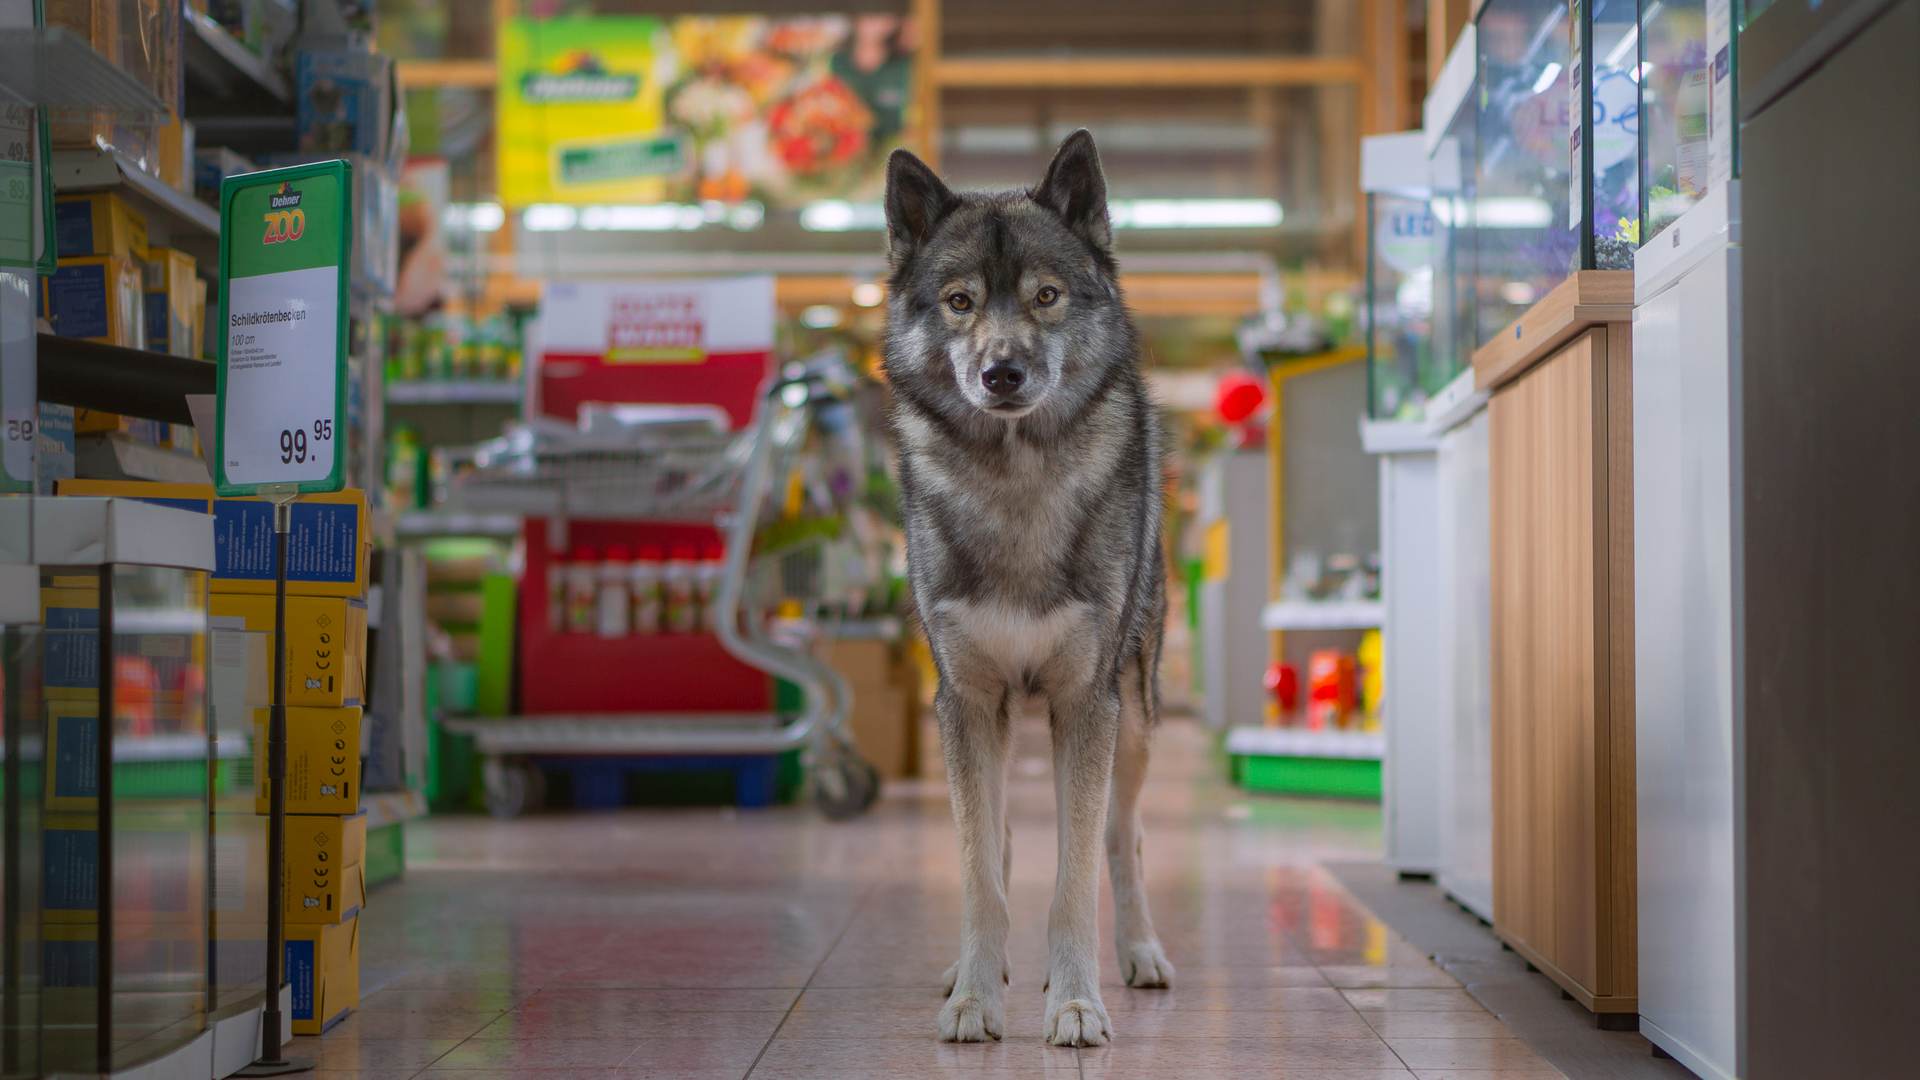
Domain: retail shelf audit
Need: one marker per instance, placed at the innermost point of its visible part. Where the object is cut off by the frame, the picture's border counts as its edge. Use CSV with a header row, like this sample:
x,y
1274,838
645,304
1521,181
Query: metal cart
x,y
677,470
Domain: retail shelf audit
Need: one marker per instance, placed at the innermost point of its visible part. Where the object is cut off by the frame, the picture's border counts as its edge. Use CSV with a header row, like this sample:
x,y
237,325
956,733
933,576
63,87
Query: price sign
x,y
285,240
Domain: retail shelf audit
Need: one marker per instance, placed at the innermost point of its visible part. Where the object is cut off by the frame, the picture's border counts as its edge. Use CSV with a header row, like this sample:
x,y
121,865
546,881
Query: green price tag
x,y
285,240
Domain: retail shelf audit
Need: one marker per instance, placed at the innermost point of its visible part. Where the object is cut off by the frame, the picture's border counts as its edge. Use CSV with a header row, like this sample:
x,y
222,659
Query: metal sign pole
x,y
272,1062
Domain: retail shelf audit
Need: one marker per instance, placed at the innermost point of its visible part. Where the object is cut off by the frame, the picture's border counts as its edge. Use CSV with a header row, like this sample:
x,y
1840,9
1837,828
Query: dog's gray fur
x,y
1033,546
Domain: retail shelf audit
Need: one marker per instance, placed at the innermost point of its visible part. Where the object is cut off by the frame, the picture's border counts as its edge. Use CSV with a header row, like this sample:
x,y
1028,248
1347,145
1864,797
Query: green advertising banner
x,y
696,108
285,238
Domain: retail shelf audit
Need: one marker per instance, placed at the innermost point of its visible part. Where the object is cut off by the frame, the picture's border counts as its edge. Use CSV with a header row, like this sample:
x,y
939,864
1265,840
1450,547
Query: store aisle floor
x,y
707,944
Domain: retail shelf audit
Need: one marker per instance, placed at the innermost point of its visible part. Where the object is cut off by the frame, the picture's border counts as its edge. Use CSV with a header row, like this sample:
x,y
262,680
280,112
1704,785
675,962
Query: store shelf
x,y
626,733
56,68
882,628
1331,615
174,218
1303,743
426,523
132,382
455,392
218,63
117,457
149,748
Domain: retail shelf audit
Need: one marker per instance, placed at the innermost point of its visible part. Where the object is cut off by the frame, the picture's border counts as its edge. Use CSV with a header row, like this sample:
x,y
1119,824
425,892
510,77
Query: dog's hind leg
x,y
1143,963
975,734
1084,726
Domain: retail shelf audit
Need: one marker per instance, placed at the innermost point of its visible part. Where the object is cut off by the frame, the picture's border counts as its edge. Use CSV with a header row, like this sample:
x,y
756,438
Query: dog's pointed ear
x,y
1076,189
916,201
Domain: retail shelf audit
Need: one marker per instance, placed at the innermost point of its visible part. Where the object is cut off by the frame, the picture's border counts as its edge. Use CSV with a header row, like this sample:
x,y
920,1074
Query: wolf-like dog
x,y
1031,488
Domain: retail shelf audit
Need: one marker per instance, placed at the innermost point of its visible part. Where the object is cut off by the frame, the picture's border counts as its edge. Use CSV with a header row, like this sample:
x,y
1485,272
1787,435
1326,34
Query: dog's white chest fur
x,y
1018,643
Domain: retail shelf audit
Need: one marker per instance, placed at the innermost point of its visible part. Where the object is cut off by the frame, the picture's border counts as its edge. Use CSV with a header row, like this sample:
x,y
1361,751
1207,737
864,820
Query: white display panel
x,y
1683,656
1466,763
1416,642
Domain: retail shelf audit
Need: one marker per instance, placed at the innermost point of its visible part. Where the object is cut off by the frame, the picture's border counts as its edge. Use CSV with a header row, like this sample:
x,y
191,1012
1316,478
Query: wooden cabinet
x,y
1561,460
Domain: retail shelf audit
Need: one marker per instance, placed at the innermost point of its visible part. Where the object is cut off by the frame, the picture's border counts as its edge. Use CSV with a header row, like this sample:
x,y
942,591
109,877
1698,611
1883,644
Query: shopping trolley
x,y
673,467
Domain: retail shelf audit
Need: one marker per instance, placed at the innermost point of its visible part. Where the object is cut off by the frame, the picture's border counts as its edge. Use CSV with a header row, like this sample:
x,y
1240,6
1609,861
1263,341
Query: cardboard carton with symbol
x,y
323,761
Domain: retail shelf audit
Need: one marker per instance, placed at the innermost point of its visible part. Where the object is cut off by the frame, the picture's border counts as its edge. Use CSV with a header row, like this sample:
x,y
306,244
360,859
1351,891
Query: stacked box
x,y
323,969
101,223
169,302
327,549
326,643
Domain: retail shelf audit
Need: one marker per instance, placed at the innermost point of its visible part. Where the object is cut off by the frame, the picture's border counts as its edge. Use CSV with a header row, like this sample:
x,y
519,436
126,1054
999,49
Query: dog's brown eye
x,y
1046,296
960,302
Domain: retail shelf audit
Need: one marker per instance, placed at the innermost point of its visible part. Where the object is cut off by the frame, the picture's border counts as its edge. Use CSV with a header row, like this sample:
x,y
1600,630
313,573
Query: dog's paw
x,y
1145,965
1080,1021
967,1018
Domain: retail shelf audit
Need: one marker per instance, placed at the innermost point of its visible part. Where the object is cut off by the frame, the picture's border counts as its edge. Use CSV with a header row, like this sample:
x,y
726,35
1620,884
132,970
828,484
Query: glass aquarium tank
x,y
1675,111
1450,172
1557,173
1398,311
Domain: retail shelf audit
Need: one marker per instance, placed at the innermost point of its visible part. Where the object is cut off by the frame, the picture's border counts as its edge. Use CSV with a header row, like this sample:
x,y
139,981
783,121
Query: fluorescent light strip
x,y
1547,75
834,215
475,217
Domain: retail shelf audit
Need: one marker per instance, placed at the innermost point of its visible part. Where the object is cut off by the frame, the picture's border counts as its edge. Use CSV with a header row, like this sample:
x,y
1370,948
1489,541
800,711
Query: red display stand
x,y
583,673
691,342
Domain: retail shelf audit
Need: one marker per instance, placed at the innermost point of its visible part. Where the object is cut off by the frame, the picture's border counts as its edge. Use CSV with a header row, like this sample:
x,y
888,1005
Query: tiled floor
x,y
707,944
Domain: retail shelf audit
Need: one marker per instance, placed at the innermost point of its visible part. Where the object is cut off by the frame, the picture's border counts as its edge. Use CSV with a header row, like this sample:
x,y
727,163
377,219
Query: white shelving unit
x,y
56,68
1328,615
1304,743
174,218
455,392
425,523
214,58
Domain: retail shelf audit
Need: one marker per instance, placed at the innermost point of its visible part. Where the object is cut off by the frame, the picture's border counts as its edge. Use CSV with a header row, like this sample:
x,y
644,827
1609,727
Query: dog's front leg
x,y
975,734
1084,728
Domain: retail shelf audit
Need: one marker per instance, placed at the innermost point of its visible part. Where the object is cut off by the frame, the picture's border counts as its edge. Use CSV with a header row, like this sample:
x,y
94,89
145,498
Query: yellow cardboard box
x,y
73,754
327,552
96,298
323,967
323,761
100,223
70,869
327,643
70,641
325,869
168,302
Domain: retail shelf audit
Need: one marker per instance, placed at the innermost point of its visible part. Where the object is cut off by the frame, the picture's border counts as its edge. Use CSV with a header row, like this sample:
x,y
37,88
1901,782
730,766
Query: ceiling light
x,y
820,317
548,217
868,294
1547,75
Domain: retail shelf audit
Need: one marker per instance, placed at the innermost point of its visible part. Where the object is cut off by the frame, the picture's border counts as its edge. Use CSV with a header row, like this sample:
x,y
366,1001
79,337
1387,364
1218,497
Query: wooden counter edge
x,y
1587,298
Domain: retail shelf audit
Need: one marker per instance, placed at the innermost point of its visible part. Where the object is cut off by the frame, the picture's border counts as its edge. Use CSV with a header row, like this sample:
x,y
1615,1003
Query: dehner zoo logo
x,y
285,220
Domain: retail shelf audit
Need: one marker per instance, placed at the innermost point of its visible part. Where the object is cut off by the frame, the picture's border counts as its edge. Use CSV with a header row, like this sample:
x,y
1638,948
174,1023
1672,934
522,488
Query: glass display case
x,y
106,768
1398,310
1401,372
1675,95
1557,171
1450,171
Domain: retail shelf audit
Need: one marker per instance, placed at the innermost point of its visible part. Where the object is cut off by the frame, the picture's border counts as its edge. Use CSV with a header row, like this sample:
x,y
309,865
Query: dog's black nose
x,y
1003,379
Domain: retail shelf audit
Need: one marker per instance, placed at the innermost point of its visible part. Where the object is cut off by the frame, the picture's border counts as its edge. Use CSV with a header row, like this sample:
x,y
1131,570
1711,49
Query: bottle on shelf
x,y
707,585
583,590
644,579
614,609
682,613
557,592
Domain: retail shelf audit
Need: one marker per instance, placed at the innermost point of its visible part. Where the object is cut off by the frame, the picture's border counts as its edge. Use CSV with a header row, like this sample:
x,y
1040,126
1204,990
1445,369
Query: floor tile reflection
x,y
709,943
